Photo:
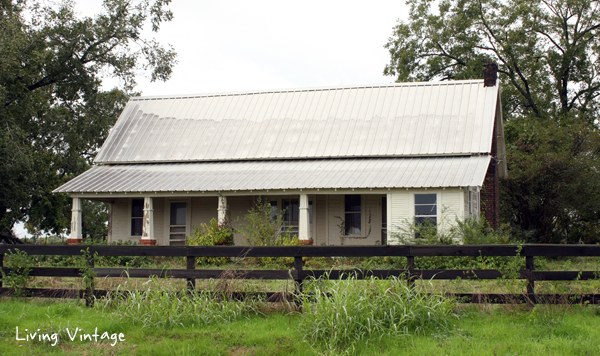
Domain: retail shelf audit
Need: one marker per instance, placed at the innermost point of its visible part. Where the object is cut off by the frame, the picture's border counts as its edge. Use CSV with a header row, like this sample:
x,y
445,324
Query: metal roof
x,y
296,174
390,120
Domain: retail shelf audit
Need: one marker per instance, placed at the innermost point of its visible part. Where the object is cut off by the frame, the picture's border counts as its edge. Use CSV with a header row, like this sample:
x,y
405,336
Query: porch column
x,y
148,223
75,237
303,223
222,210
109,234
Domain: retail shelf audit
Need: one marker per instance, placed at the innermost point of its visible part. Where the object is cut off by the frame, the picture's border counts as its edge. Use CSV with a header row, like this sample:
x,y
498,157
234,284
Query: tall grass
x,y
157,306
339,312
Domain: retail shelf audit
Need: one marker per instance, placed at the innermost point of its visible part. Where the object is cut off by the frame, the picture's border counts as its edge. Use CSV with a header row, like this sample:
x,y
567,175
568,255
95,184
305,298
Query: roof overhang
x,y
366,173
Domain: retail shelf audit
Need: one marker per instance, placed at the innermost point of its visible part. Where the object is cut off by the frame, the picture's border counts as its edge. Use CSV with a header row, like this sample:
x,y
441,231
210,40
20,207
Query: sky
x,y
231,45
228,46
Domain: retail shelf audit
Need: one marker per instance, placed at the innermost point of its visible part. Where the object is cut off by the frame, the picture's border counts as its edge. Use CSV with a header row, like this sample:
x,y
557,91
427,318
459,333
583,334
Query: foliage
x,y
20,267
212,235
547,54
481,330
260,228
552,194
111,261
160,307
546,50
54,112
338,313
88,274
468,232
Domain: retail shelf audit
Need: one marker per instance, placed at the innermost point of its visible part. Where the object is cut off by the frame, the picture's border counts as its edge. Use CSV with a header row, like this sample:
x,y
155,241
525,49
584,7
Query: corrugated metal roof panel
x,y
407,119
297,174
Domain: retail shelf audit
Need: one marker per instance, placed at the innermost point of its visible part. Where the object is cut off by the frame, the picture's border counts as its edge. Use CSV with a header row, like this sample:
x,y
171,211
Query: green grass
x,y
480,330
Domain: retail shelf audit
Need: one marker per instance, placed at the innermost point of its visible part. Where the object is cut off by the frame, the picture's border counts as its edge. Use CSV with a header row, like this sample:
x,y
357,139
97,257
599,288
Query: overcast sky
x,y
229,45
246,45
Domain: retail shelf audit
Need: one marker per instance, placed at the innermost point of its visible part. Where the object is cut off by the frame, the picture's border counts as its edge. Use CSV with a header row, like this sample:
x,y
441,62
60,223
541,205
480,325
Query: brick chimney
x,y
490,75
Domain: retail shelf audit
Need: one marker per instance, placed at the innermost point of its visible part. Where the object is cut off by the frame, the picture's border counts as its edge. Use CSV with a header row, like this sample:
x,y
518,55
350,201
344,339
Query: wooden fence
x,y
298,273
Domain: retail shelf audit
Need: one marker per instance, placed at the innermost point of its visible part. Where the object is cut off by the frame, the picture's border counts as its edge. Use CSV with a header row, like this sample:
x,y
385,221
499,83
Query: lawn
x,y
479,330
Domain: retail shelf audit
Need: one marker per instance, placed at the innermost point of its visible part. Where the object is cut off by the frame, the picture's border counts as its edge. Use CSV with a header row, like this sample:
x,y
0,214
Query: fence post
x,y
1,266
410,267
529,266
191,264
89,293
298,279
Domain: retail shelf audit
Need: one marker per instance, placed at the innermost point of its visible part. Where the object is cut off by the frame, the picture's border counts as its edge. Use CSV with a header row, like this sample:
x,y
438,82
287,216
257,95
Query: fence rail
x,y
299,274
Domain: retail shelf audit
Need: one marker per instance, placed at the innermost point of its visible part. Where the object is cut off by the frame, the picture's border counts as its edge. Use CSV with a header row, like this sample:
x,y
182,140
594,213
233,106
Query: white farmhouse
x,y
374,157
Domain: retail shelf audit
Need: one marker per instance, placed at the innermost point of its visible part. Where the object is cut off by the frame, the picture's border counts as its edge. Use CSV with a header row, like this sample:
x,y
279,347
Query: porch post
x,y
148,223
303,223
222,210
75,237
109,234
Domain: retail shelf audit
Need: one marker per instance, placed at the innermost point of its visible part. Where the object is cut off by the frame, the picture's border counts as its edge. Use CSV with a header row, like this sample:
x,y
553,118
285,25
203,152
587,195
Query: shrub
x,y
212,235
260,228
20,267
470,231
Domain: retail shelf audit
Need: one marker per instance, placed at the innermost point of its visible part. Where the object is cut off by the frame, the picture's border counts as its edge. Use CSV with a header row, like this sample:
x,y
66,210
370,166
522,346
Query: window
x,y
291,214
425,212
273,204
352,214
177,224
137,217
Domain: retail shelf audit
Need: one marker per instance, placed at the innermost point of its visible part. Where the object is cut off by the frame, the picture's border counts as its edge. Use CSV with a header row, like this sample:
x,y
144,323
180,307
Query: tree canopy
x,y
54,112
548,57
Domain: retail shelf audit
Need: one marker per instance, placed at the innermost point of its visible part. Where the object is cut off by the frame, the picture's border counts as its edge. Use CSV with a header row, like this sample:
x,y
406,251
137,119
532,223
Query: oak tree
x,y
54,111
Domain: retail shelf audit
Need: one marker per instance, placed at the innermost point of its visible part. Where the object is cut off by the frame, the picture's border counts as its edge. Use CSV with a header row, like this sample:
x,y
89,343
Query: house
x,y
347,165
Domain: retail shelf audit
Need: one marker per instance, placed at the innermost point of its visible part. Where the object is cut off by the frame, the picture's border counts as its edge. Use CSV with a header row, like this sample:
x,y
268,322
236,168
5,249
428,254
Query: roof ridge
x,y
320,88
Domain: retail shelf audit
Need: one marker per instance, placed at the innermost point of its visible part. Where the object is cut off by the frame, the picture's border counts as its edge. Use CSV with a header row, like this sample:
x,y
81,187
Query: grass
x,y
480,330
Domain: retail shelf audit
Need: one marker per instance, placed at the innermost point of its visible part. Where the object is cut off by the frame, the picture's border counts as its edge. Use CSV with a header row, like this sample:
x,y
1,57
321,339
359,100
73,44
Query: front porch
x,y
359,218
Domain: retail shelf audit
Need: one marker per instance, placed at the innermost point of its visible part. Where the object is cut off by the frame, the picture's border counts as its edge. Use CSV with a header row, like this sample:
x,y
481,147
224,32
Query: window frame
x,y
278,200
416,216
131,218
361,212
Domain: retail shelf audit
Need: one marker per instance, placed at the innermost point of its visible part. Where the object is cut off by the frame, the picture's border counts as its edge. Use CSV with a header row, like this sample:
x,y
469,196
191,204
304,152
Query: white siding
x,y
238,207
121,220
450,206
400,213
203,210
320,215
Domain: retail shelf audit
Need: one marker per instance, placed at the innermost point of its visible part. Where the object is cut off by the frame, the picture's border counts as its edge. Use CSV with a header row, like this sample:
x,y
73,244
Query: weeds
x,y
337,313
161,307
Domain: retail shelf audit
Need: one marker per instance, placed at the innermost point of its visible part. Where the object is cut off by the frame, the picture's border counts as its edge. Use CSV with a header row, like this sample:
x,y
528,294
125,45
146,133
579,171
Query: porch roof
x,y
272,175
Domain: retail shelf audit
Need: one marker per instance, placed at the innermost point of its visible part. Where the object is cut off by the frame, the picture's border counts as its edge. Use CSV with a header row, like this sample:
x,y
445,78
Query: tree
x,y
547,51
54,113
548,54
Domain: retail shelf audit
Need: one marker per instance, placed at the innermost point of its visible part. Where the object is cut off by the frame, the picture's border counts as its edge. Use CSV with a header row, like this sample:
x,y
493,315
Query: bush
x,y
18,278
211,235
468,232
260,228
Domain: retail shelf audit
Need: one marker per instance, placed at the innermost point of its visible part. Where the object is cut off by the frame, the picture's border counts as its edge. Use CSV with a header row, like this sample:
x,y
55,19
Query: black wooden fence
x,y
298,273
